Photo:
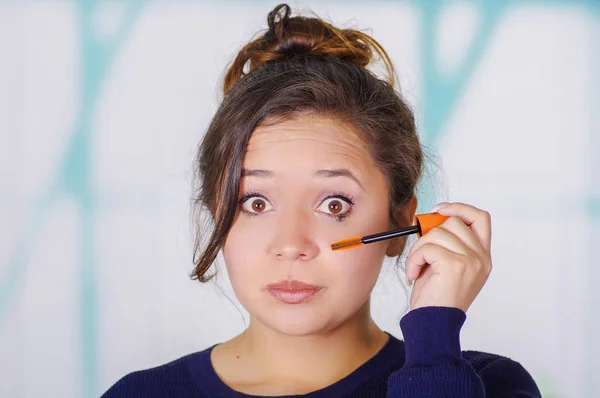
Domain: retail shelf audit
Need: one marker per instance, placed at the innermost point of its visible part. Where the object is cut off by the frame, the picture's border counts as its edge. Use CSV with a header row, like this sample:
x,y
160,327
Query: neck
x,y
315,360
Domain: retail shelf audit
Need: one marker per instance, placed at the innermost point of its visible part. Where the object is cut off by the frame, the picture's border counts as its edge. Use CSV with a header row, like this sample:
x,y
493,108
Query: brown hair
x,y
301,65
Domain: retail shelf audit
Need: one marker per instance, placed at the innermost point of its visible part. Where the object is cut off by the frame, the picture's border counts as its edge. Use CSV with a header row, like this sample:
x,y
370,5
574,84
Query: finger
x,y
457,227
478,220
436,256
443,237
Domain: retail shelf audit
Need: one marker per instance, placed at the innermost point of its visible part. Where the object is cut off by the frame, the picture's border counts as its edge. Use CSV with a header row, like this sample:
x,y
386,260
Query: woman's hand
x,y
450,264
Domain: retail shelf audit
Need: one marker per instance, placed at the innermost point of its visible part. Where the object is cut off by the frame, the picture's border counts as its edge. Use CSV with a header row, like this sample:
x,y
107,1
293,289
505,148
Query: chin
x,y
296,327
295,320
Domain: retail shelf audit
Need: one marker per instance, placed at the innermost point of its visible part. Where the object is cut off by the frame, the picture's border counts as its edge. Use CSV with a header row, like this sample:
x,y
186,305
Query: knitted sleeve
x,y
435,367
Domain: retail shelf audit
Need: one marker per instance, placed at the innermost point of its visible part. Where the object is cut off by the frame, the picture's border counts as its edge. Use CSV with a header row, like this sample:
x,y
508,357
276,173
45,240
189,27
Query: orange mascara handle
x,y
426,222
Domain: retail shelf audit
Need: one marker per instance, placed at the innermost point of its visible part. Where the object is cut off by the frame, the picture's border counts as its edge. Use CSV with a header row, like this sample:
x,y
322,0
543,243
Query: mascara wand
x,y
423,223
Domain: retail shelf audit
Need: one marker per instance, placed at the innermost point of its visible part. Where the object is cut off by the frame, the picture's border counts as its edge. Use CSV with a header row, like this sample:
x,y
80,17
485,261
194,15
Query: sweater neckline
x,y
207,380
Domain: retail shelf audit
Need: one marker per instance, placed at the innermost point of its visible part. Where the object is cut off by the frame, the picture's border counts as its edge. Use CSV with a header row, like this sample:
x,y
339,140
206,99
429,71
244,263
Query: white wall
x,y
103,103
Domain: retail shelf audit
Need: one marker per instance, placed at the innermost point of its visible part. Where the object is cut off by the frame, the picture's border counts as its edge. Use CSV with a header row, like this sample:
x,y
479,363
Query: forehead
x,y
306,140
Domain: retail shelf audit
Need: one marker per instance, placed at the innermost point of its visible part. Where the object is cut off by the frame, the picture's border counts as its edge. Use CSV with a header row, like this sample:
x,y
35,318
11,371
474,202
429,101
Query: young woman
x,y
309,147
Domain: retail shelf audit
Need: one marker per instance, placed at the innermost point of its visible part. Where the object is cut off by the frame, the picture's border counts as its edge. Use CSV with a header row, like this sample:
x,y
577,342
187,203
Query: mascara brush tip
x,y
347,243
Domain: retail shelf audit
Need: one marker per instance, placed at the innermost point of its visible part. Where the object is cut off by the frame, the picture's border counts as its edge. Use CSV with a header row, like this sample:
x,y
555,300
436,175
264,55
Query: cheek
x,y
356,270
243,250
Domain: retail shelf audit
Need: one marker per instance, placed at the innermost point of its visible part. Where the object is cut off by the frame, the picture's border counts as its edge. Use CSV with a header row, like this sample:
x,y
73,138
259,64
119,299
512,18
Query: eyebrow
x,y
339,173
257,173
332,173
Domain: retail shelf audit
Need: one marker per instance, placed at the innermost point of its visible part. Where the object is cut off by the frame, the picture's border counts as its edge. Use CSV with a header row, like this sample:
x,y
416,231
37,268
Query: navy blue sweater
x,y
428,363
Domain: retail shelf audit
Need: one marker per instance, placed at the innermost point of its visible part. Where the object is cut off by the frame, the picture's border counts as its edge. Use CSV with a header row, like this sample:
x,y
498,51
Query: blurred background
x,y
102,105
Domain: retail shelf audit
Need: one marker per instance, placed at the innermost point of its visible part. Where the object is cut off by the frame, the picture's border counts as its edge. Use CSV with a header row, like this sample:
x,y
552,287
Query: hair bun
x,y
277,22
289,36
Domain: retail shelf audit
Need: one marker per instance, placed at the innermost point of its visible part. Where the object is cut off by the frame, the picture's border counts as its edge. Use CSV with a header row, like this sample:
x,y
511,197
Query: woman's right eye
x,y
255,204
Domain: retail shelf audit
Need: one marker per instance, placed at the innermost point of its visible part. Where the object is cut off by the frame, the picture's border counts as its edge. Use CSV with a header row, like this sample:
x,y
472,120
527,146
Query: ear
x,y
404,216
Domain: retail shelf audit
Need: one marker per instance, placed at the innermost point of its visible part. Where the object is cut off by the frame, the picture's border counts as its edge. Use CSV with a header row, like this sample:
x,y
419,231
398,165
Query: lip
x,y
292,285
292,292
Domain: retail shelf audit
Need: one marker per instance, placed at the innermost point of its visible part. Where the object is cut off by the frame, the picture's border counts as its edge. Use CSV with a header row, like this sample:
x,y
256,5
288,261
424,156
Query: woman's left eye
x,y
335,206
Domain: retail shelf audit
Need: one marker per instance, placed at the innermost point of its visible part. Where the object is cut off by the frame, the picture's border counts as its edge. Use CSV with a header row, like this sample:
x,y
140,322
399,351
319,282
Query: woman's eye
x,y
256,205
335,206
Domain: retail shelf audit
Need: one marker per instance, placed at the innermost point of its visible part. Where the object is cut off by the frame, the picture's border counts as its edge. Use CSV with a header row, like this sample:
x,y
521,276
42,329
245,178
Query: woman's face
x,y
307,183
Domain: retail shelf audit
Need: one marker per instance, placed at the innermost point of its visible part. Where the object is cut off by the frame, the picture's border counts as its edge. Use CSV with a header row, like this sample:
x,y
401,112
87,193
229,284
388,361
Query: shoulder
x,y
171,379
499,373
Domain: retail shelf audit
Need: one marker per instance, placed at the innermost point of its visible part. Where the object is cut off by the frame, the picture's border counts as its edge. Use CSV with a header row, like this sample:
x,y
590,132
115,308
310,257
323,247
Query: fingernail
x,y
439,206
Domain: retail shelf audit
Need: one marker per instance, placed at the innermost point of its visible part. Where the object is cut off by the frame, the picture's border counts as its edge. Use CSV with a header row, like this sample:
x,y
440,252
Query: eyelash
x,y
346,198
336,195
245,198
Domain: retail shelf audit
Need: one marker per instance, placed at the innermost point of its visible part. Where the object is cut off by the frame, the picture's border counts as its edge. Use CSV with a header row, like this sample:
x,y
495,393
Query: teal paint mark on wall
x,y
442,93
592,327
96,60
73,181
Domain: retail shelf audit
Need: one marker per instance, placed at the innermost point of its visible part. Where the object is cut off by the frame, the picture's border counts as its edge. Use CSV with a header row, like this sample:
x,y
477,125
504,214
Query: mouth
x,y
292,292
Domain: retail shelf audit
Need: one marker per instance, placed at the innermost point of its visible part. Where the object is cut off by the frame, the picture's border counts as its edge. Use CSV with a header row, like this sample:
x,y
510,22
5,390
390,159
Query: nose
x,y
293,239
